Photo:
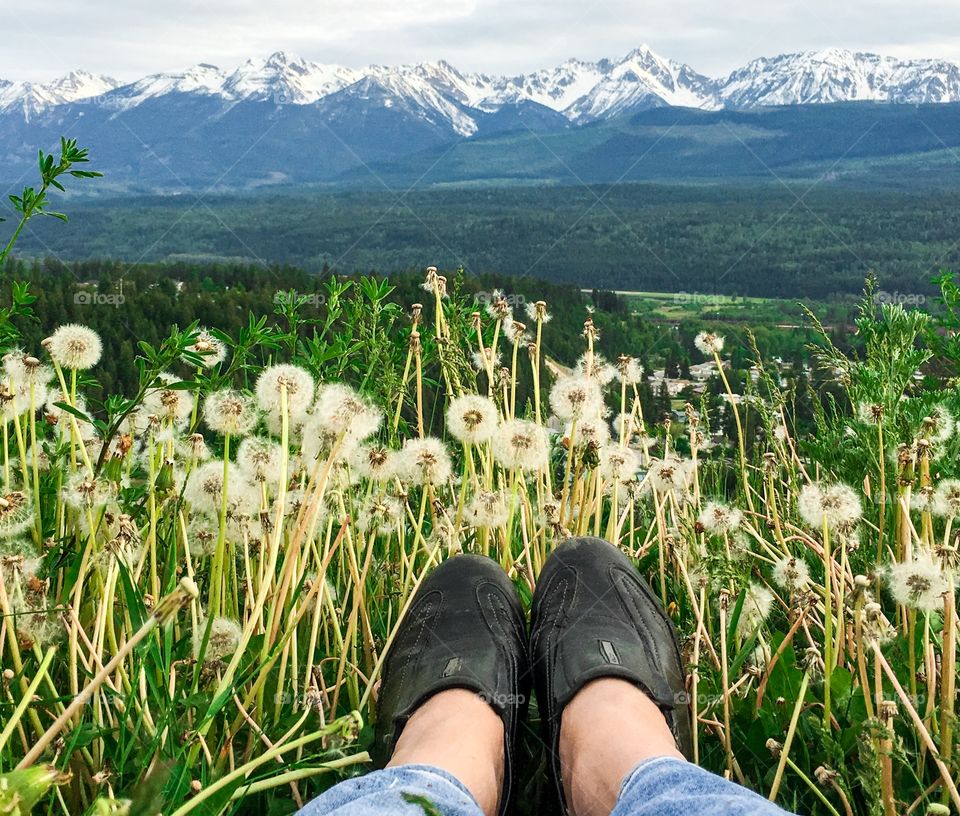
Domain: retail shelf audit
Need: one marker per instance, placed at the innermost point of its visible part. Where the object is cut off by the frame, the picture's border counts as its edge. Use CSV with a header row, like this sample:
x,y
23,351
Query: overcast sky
x,y
130,38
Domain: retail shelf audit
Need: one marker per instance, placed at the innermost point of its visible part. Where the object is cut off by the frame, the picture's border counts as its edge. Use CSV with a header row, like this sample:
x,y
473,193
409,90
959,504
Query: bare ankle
x,y
606,730
459,733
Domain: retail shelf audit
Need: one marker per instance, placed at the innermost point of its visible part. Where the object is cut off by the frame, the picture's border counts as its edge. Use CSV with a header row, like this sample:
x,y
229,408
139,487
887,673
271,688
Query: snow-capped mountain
x,y
30,98
581,91
835,75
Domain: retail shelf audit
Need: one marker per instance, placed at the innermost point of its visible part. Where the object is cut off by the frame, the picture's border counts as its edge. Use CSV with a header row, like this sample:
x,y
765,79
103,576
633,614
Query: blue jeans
x,y
662,786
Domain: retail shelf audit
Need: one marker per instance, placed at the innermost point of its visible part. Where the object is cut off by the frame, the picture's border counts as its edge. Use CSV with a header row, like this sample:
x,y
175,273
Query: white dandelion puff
x,y
596,368
947,498
373,461
576,396
298,384
259,459
209,348
229,412
757,604
919,584
537,311
521,444
168,403
16,514
74,347
720,519
629,370
341,410
708,343
618,464
834,505
224,639
424,460
791,573
472,419
379,513
488,508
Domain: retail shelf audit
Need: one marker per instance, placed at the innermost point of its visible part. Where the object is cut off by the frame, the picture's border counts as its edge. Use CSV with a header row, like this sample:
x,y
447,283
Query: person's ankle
x,y
461,734
606,730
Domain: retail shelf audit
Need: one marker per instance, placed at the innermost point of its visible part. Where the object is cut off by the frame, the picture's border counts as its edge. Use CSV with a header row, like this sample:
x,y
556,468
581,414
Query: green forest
x,y
803,241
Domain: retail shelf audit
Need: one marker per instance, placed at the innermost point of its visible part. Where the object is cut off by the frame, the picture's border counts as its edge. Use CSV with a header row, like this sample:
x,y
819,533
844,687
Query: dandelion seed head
x,y
424,460
498,307
669,474
521,444
589,431
373,461
487,508
379,513
720,519
486,360
259,459
74,347
211,349
791,573
224,639
575,396
834,505
537,311
629,370
708,343
919,584
947,498
618,464
472,419
83,492
16,514
169,404
341,410
229,412
299,390
596,368
757,604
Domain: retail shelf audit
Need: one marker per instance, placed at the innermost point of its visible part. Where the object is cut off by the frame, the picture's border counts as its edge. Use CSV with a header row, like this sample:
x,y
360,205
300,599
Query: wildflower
x,y
170,404
16,514
341,410
708,343
202,532
486,360
320,441
947,498
204,488
379,513
590,431
514,331
719,519
939,425
499,307
669,474
575,396
425,461
596,368
757,604
83,492
924,500
210,348
791,573
229,412
617,464
920,583
224,639
74,347
538,311
297,383
488,509
375,462
521,444
870,413
259,459
472,419
834,505
629,370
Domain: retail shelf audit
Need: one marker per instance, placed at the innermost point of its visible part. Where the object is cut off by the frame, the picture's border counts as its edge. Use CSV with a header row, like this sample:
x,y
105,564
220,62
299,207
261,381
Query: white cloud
x,y
130,39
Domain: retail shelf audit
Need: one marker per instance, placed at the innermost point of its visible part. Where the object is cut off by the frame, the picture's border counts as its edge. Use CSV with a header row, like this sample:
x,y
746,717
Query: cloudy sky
x,y
130,38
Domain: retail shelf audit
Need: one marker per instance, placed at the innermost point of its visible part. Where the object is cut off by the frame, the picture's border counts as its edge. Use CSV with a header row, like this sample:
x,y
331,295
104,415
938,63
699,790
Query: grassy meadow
x,y
203,564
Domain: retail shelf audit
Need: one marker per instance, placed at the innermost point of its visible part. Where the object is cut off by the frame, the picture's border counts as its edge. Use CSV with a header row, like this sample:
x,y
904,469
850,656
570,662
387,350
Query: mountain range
x,y
287,120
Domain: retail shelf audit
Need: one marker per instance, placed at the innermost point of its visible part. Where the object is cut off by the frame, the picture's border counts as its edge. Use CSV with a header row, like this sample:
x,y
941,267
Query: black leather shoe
x,y
593,617
464,629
